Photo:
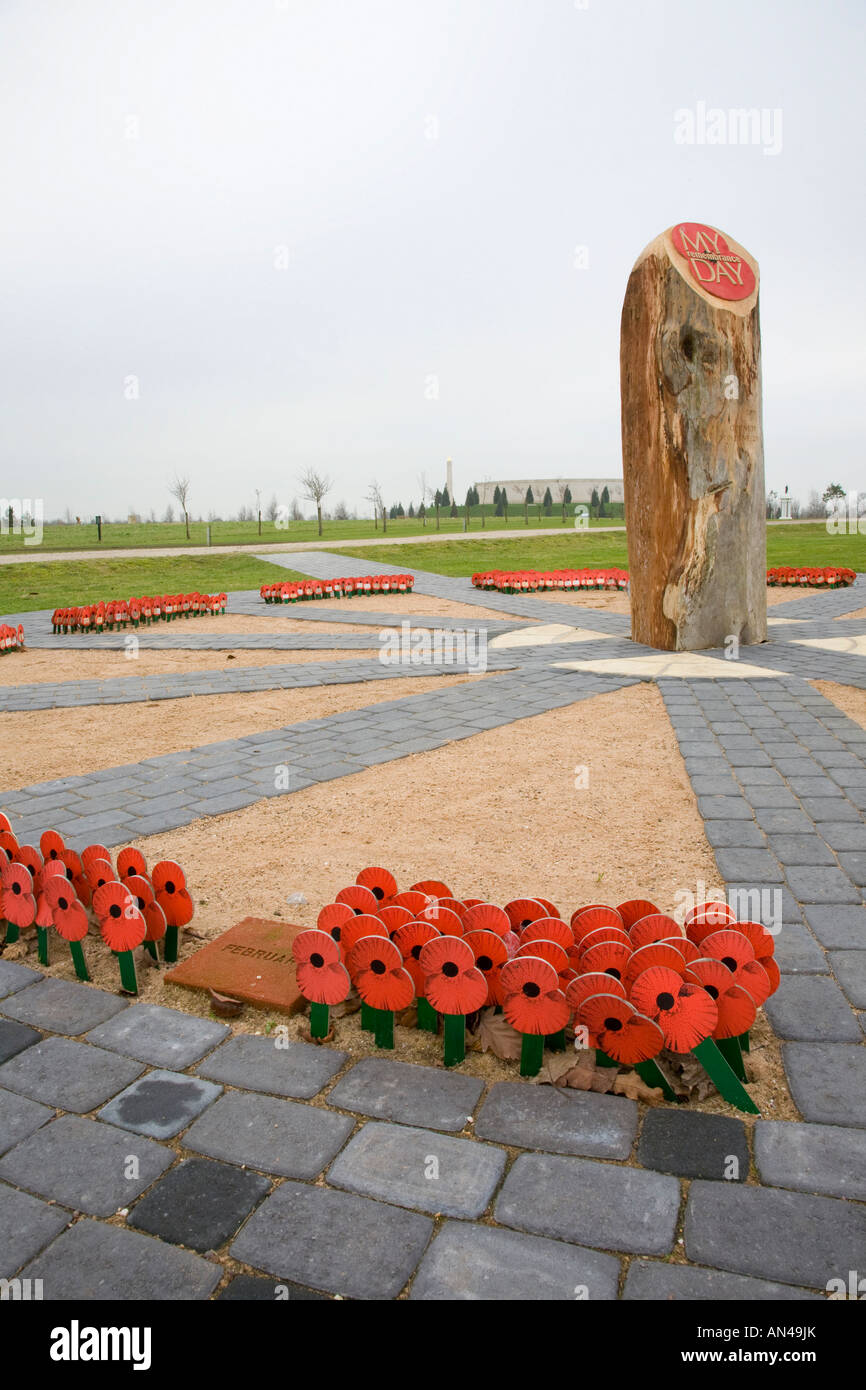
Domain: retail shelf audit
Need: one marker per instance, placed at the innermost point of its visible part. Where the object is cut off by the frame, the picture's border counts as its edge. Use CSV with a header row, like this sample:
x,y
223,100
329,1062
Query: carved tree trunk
x,y
693,460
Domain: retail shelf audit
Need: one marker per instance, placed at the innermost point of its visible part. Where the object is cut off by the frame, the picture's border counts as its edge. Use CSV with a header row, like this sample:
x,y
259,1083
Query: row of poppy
x,y
536,581
11,638
53,886
827,577
117,613
301,591
627,977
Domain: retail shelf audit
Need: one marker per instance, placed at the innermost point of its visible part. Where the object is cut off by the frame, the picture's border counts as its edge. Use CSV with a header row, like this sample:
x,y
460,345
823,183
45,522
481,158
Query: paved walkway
x,y
322,1174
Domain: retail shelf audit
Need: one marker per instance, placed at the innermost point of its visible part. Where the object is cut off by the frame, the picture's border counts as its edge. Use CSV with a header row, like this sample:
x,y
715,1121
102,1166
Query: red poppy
x,y
634,910
685,1013
414,901
656,953
432,887
532,1000
654,927
754,977
455,905
448,922
729,946
99,872
154,921
737,1008
122,925
600,934
94,852
587,919
55,868
394,917
51,844
29,856
490,954
68,915
452,982
687,949
131,861
44,913
583,986
549,929
8,841
486,917
610,957
4,823
410,940
522,911
322,977
761,941
617,1028
18,902
169,884
376,967
550,951
358,927
141,890
333,918
358,899
380,882
715,912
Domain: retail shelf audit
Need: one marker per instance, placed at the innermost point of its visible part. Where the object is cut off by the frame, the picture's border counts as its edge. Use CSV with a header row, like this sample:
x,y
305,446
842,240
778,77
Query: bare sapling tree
x,y
316,486
179,489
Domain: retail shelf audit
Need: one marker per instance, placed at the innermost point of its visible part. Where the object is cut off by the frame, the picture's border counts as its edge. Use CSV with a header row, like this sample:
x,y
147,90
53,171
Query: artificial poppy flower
x,y
716,911
532,1000
131,861
141,889
410,939
432,887
618,1030
448,922
610,957
68,915
99,872
687,949
455,905
452,982
736,1007
154,921
18,902
633,910
94,852
583,986
490,954
169,884
656,953
394,917
587,919
522,911
550,951
4,823
656,926
358,899
380,882
322,977
8,841
551,909
333,917
122,925
51,844
355,928
486,917
376,967
600,934
29,856
729,946
44,914
761,941
414,901
685,1013
549,929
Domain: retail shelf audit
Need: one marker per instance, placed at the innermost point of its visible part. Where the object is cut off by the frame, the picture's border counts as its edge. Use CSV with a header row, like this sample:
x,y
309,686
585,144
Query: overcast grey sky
x,y
345,233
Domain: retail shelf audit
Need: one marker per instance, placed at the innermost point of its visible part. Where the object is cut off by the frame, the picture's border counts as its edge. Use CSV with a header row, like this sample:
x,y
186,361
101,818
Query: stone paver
x,y
199,1204
693,1145
811,1007
408,1094
437,1174
69,1075
849,967
274,1136
160,1104
20,1117
14,1037
26,1225
827,1080
773,1234
163,1037
590,1203
648,1280
14,976
63,1006
334,1241
824,1159
566,1122
85,1165
298,1070
103,1262
468,1262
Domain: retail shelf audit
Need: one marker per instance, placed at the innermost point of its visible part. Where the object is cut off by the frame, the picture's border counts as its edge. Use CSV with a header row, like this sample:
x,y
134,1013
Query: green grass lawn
x,y
786,545
162,534
72,583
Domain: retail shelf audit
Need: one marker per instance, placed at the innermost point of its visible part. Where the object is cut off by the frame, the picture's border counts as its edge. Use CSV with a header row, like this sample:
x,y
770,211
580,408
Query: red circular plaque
x,y
716,268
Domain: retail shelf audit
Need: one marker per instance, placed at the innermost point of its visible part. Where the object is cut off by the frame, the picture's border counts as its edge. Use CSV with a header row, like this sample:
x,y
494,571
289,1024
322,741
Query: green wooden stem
x,y
11,933
42,945
428,1019
150,947
745,1042
531,1054
77,952
320,1021
170,948
730,1050
384,1031
602,1059
726,1082
652,1074
368,1018
127,971
454,1026
555,1042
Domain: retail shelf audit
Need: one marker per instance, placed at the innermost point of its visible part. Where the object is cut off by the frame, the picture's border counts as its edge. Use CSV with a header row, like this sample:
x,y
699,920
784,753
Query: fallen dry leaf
x,y
497,1036
224,1006
635,1088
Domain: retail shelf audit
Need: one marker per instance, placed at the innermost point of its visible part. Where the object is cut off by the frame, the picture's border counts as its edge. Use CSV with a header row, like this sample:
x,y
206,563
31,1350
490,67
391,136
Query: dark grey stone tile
x,y
652,1280
811,1007
160,1104
812,1158
849,967
838,927
436,1174
828,1081
567,1122
692,1145
14,1037
163,1037
486,1263
19,1118
299,1070
200,1204
63,1006
68,1075
14,977
273,1136
85,1165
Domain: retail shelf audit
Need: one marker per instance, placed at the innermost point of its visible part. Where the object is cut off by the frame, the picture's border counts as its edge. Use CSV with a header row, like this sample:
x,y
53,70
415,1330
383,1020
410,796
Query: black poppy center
x,y
358,911
531,990
114,910
16,887
63,904
378,967
526,922
712,991
665,1001
450,969
612,1025
416,952
379,893
317,960
613,971
729,962
484,963
169,887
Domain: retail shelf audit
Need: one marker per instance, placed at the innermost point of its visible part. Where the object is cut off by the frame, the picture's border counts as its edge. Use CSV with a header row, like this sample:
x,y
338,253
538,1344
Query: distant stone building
x,y
581,489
